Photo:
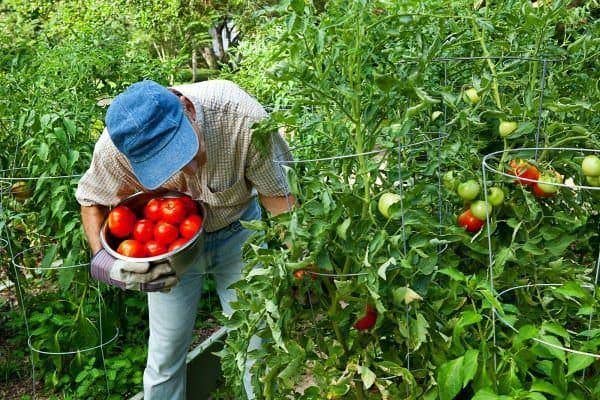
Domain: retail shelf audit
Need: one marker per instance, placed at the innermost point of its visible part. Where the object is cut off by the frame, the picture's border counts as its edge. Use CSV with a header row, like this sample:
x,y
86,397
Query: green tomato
x,y
472,96
449,180
480,209
545,182
593,180
505,128
386,201
496,196
590,166
468,190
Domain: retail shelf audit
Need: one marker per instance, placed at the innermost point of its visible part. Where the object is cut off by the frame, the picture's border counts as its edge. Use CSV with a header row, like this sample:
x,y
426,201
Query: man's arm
x,y
92,218
276,205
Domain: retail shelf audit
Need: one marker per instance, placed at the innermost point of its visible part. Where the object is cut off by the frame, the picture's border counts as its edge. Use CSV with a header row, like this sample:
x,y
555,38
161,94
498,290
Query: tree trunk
x,y
194,64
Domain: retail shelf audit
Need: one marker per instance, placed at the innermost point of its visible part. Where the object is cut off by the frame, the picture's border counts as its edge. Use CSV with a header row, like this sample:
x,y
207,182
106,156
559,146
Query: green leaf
x,y
58,206
342,228
526,332
49,256
577,362
470,366
571,290
556,352
418,330
382,270
385,82
392,369
449,378
65,277
488,394
424,96
43,151
254,225
367,376
546,387
453,273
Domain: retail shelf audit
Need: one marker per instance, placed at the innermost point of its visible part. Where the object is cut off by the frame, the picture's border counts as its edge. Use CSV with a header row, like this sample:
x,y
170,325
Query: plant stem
x,y
491,65
355,75
560,143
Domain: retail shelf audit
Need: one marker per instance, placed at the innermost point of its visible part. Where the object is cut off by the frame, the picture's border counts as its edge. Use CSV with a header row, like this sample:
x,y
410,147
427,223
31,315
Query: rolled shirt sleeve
x,y
109,178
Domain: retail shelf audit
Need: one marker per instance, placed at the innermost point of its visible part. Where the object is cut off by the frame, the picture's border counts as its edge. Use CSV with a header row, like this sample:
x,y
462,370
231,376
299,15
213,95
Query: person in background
x,y
195,139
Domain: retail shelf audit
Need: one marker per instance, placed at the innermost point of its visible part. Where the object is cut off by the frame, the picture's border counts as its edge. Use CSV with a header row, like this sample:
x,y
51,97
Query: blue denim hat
x,y
147,123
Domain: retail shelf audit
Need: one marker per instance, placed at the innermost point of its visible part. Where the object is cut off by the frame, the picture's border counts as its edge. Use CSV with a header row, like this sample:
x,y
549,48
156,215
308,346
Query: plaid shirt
x,y
234,170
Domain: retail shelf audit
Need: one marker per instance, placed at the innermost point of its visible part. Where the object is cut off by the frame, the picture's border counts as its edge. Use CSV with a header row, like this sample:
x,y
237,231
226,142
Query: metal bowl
x,y
180,259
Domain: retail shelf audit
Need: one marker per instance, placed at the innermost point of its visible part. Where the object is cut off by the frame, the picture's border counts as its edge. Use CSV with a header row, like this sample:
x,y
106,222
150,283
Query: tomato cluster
x,y
542,184
474,216
167,224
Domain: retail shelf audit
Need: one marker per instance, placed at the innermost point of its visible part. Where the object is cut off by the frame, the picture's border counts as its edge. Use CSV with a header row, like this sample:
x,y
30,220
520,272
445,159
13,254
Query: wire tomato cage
x,y
566,162
42,261
401,148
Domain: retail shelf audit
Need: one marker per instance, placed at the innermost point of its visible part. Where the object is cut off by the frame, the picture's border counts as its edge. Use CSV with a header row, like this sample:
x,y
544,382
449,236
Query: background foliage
x,y
340,78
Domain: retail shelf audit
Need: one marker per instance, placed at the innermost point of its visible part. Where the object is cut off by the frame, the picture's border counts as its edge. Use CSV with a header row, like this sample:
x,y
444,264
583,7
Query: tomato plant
x,y
347,83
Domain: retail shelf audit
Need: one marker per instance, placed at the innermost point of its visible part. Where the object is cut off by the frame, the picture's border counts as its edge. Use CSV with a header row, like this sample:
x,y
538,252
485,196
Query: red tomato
x,y
173,210
153,248
143,230
120,221
300,274
165,233
132,248
177,244
368,320
523,169
152,210
190,226
470,222
190,205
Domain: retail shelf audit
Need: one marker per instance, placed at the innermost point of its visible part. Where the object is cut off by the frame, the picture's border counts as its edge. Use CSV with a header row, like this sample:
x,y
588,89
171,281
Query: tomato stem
x,y
486,53
559,143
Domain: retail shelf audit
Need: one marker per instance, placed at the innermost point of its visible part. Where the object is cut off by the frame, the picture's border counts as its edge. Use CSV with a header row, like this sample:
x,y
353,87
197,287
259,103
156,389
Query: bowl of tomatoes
x,y
155,227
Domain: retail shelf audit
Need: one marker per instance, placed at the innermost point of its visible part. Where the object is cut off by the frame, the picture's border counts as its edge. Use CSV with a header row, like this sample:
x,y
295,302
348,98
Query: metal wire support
x,y
17,174
488,167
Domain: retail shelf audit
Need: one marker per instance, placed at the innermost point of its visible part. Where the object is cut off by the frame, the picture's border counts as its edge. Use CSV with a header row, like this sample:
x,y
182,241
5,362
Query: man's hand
x,y
132,275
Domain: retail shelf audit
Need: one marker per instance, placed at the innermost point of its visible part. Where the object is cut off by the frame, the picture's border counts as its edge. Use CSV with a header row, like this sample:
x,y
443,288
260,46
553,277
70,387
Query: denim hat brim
x,y
183,147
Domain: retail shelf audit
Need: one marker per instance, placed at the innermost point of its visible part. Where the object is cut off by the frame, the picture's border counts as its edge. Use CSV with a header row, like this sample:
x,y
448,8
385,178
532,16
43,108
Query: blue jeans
x,y
172,315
